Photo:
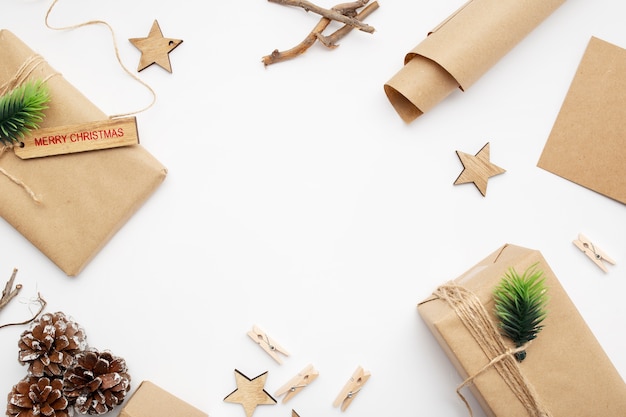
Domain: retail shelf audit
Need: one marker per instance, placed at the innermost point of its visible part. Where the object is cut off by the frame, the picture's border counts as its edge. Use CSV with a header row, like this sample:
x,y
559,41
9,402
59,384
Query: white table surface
x,y
298,200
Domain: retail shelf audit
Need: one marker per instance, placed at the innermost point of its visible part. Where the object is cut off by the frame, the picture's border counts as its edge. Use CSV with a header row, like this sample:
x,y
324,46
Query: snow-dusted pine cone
x,y
50,344
34,396
96,382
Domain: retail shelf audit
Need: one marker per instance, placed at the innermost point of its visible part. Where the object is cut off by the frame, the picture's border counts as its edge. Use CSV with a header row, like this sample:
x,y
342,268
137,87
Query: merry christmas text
x,y
79,137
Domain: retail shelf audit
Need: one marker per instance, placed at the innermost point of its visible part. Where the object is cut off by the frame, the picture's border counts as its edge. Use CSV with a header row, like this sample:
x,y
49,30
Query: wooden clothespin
x,y
268,344
593,252
352,388
297,383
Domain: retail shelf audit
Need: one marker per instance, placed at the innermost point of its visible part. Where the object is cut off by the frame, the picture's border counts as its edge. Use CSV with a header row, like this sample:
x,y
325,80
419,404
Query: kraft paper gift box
x,y
150,400
460,50
85,197
587,144
565,367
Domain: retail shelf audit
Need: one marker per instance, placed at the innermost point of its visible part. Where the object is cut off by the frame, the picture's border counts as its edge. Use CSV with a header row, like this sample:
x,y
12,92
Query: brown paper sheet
x,y
566,365
86,197
587,144
149,400
460,50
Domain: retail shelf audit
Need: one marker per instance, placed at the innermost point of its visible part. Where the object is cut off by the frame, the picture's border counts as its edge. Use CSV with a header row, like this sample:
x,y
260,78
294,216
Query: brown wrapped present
x,y
566,371
85,198
152,401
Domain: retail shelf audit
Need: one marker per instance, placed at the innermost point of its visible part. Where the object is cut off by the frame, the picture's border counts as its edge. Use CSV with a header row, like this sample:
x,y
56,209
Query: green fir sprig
x,y
520,305
21,110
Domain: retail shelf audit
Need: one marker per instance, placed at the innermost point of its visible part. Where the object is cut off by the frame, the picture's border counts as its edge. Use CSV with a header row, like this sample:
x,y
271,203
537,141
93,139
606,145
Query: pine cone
x,y
50,344
96,382
35,396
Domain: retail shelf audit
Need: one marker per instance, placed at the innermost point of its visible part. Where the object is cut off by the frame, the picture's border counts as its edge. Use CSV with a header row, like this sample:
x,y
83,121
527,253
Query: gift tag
x,y
91,136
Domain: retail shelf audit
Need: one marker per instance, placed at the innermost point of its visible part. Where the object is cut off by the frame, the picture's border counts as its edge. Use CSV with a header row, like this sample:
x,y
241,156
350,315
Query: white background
x,y
298,200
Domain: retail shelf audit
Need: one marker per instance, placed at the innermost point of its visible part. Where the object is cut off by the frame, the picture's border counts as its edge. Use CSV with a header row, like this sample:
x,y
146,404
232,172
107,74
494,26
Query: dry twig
x,y
330,41
332,14
277,56
349,9
9,292
344,9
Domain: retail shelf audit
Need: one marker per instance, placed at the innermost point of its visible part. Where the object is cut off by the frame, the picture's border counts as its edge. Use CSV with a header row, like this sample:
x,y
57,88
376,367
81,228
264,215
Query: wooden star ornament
x,y
477,169
250,392
155,48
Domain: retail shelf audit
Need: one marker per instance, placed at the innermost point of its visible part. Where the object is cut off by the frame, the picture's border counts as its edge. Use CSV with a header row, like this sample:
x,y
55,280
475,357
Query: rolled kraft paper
x,y
461,49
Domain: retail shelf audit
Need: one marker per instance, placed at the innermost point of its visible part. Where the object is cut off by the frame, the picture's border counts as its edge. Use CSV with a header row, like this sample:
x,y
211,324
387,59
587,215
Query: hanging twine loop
x,y
117,55
476,319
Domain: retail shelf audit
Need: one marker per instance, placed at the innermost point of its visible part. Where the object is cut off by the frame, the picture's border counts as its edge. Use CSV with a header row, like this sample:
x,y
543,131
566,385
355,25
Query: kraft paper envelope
x,y
587,144
461,49
85,197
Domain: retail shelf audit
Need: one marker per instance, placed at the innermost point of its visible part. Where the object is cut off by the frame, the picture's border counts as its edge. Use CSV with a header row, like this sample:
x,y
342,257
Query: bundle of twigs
x,y
346,13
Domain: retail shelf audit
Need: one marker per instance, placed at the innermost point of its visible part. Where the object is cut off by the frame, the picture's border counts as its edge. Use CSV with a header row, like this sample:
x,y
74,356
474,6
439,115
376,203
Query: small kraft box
x,y
566,373
149,400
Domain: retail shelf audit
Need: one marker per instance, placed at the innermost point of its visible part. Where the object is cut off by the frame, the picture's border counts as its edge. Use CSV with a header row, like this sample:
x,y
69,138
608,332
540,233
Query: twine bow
x,y
475,318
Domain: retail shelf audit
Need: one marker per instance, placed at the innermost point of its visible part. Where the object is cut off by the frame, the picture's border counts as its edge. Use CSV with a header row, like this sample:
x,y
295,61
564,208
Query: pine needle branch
x,y
22,110
520,303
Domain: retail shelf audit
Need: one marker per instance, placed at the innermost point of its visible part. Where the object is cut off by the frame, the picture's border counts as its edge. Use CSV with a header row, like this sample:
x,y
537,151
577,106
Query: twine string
x,y
19,182
22,74
117,55
475,318
42,305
